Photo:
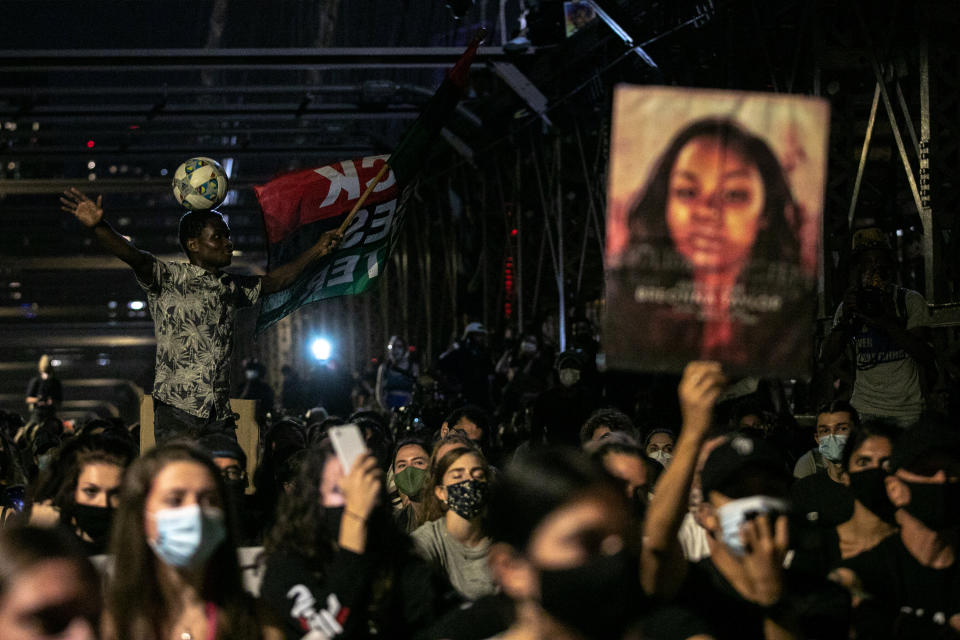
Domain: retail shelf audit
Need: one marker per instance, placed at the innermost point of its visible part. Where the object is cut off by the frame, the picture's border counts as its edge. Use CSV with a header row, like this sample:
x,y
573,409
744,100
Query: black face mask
x,y
330,523
599,598
93,521
868,488
937,506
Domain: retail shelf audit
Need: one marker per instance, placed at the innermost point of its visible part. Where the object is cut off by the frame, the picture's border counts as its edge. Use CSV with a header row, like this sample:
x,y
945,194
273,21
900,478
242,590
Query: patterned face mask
x,y
467,499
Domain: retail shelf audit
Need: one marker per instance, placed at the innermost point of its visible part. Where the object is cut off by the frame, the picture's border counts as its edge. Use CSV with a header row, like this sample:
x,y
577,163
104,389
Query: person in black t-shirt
x,y
336,565
742,589
865,462
908,586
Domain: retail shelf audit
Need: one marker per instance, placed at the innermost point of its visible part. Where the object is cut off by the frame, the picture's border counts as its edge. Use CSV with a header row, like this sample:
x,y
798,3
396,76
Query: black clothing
x,y
559,412
355,597
815,607
44,390
904,598
821,501
816,549
483,618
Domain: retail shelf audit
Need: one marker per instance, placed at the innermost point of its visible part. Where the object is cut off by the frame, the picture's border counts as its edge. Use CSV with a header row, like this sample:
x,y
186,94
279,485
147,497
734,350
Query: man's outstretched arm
x,y
285,275
90,214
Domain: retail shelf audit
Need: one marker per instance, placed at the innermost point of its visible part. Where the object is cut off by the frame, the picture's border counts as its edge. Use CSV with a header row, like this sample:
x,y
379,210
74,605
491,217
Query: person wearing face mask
x,y
659,445
410,461
864,465
453,540
834,416
884,324
742,589
231,460
820,499
564,549
83,486
560,412
908,585
336,565
176,571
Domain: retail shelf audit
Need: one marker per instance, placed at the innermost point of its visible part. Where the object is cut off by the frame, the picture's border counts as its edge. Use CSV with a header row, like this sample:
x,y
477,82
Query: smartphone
x,y
348,444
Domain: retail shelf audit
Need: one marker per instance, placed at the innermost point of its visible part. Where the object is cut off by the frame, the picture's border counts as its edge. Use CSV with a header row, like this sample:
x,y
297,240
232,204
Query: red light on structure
x,y
514,232
91,144
134,126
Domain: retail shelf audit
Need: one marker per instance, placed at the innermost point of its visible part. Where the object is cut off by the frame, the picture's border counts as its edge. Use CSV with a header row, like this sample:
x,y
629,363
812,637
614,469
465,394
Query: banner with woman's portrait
x,y
714,205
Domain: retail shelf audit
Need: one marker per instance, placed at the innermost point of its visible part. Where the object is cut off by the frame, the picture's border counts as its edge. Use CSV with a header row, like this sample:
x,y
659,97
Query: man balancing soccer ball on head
x,y
193,306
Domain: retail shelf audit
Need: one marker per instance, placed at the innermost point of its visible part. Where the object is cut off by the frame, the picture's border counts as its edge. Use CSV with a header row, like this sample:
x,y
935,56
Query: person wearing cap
x,y
908,586
742,589
467,367
232,462
560,412
883,323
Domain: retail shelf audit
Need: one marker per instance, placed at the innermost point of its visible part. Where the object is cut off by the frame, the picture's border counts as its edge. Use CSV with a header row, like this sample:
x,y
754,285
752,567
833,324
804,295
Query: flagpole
x,y
363,198
477,39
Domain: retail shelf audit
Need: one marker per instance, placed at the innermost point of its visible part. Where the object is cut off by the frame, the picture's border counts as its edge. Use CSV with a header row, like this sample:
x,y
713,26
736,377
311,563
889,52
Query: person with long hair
x,y
336,565
81,489
47,587
452,539
176,573
713,247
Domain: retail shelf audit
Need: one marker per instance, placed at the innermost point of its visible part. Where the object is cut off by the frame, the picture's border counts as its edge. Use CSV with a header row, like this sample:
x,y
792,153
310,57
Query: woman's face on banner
x,y
714,205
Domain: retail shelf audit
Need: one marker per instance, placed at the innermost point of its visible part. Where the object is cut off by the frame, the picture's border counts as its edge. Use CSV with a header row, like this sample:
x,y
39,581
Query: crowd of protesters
x,y
527,497
709,513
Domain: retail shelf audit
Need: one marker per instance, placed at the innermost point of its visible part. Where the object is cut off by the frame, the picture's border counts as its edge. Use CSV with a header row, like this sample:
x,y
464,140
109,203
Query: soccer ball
x,y
200,183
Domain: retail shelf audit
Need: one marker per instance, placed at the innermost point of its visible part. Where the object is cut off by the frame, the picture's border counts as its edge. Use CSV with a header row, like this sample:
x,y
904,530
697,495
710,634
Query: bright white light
x,y
91,165
135,305
321,349
56,363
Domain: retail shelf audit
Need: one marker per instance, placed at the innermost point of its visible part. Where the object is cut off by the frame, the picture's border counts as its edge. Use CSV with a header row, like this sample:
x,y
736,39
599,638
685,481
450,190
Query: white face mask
x,y
569,377
734,514
663,457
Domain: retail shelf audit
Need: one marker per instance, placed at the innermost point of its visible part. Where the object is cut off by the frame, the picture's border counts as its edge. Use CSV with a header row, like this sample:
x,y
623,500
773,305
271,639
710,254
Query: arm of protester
x,y
663,567
844,323
361,490
285,275
90,214
44,514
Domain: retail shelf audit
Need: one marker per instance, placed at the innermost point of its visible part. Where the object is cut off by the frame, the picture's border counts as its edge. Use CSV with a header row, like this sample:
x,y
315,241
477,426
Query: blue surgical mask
x,y
831,447
188,536
734,514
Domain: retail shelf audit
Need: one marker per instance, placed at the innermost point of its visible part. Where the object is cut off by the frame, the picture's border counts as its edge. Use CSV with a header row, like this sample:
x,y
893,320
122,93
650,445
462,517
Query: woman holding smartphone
x,y
336,563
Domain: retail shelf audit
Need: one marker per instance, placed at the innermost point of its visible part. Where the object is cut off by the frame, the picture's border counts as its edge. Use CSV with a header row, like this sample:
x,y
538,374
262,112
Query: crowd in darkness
x,y
529,495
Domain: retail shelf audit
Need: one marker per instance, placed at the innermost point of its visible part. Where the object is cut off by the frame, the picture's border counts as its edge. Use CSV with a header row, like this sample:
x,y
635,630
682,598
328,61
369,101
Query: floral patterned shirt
x,y
193,312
